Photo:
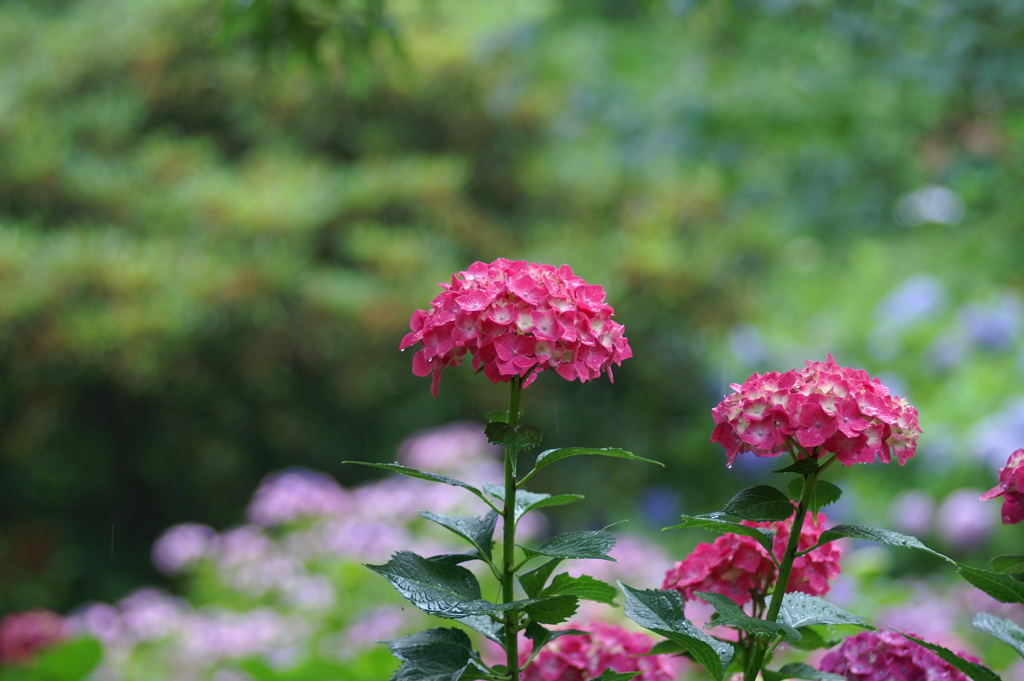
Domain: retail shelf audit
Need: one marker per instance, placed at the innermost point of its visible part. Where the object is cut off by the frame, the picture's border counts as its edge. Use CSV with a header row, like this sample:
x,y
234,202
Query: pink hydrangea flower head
x,y
518,318
874,655
585,657
737,566
733,565
23,634
1010,488
822,408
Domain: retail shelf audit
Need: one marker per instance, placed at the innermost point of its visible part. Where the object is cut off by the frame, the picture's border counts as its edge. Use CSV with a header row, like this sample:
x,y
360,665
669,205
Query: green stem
x,y
785,570
508,541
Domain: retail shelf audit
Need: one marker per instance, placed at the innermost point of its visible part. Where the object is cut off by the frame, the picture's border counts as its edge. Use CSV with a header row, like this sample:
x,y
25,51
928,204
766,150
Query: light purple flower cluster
x,y
288,565
296,493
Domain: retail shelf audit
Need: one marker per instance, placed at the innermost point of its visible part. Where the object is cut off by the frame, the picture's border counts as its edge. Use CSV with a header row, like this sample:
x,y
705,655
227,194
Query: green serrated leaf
x,y
584,587
666,647
1007,565
552,609
761,503
497,416
799,670
514,438
432,655
529,501
714,523
582,544
424,475
609,675
1003,588
541,635
437,588
455,558
486,626
477,531
1006,631
552,455
728,614
533,581
661,611
874,534
800,466
813,638
803,610
974,671
825,493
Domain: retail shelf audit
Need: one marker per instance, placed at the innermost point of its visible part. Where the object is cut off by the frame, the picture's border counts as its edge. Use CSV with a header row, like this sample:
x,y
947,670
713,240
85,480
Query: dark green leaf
x,y
533,581
497,416
432,655
582,544
800,466
68,661
455,558
529,501
486,626
552,455
1004,630
973,670
477,531
423,475
1003,588
609,675
799,670
825,493
813,638
1007,565
666,647
874,534
584,586
514,438
714,523
802,610
541,635
761,503
661,611
728,614
438,588
553,609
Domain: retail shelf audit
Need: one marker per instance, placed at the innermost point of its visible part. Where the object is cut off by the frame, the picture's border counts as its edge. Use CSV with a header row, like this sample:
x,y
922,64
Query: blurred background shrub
x,y
217,217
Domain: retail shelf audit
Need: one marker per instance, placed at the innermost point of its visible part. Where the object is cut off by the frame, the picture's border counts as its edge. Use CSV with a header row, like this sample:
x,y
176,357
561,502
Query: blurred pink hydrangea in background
x,y
585,657
877,655
1010,488
737,566
837,409
23,634
518,318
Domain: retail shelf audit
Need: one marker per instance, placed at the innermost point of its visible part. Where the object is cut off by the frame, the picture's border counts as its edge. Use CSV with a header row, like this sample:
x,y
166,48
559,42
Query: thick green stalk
x,y
508,541
785,570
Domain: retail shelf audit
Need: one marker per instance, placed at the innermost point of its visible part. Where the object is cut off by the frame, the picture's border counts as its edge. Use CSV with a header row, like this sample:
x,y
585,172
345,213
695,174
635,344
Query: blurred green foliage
x,y
216,218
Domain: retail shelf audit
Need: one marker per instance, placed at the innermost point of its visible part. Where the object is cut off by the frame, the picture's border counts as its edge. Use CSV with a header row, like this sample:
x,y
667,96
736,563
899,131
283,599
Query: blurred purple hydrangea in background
x,y
296,493
999,433
963,521
913,512
994,324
